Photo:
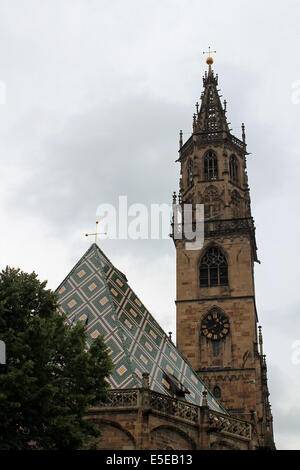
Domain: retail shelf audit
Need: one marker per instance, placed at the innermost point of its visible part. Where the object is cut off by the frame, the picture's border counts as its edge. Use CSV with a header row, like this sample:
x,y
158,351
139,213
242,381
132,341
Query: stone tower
x,y
217,321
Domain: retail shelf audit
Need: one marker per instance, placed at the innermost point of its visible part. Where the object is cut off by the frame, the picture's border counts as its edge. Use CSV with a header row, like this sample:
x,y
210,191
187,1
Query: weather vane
x,y
96,233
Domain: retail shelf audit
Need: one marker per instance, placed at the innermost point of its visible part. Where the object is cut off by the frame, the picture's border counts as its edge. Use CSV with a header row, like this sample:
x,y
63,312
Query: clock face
x,y
215,325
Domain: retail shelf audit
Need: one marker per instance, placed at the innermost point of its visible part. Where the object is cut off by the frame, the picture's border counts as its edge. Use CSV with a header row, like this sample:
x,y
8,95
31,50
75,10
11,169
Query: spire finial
x,y
209,59
96,233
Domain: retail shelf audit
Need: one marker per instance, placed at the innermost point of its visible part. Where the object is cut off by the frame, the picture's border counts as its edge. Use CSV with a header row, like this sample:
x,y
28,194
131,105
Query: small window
x,y
217,392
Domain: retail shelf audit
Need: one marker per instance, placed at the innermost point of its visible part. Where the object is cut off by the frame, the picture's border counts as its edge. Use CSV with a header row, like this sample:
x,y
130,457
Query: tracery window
x,y
233,169
213,268
210,166
217,392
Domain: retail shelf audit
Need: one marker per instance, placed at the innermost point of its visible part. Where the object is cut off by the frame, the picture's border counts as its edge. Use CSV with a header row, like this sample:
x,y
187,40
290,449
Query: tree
x,y
51,377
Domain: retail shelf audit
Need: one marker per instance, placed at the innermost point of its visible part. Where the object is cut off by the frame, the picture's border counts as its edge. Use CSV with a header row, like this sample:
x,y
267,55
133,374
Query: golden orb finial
x,y
209,59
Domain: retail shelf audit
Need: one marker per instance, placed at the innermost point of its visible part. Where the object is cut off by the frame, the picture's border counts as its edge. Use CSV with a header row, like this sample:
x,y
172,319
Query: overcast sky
x,y
96,92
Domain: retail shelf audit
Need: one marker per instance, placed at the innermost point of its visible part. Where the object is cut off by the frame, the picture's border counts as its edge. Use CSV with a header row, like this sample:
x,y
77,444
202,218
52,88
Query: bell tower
x,y
217,321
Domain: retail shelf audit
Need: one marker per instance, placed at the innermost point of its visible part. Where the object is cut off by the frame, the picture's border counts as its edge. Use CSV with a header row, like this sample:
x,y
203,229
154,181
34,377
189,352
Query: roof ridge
x,y
109,262
74,267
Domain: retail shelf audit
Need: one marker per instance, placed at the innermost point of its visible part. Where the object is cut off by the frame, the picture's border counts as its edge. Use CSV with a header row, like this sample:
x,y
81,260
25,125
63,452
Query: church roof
x,y
97,293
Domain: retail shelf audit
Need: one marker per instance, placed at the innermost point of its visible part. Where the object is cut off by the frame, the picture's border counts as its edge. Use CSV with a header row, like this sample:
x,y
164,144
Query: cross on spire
x,y
96,233
209,52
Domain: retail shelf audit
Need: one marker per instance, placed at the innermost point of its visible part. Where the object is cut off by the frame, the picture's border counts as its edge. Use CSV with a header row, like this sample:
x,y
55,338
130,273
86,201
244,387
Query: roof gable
x,y
96,292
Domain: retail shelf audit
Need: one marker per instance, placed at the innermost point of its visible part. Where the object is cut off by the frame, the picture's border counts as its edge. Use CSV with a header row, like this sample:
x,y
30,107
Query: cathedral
x,y
210,390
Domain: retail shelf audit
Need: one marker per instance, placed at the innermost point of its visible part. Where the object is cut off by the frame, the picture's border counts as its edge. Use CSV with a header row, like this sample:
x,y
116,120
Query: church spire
x,y
211,119
210,122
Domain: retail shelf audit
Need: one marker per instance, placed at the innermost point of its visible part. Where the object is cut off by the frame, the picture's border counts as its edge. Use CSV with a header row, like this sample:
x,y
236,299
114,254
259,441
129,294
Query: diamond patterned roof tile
x,y
96,290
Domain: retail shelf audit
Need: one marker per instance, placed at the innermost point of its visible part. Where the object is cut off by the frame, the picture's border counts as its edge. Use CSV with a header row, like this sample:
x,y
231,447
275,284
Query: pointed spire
x,y
210,122
212,115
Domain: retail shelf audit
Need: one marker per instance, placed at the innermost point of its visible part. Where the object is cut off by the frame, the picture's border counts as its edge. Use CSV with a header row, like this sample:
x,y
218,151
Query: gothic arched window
x,y
213,268
210,166
217,392
233,169
190,172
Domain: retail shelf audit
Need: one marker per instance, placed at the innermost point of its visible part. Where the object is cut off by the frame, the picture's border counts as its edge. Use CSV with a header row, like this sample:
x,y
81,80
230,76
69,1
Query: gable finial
x,y
96,233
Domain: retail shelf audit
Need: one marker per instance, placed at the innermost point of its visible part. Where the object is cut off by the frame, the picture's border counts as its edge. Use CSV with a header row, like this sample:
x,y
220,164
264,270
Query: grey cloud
x,y
125,149
96,95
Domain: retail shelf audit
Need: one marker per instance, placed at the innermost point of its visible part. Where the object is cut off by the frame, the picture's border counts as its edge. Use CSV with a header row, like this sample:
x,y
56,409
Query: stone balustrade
x,y
150,400
228,425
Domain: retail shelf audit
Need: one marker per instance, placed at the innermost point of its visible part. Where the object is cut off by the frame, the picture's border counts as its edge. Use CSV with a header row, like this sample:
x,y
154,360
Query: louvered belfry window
x,y
213,268
210,166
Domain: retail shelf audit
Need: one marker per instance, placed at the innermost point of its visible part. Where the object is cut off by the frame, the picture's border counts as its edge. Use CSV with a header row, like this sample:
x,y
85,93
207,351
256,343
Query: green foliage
x,y
51,377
